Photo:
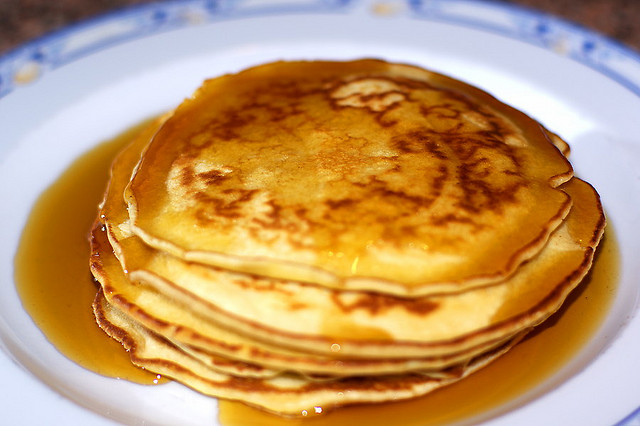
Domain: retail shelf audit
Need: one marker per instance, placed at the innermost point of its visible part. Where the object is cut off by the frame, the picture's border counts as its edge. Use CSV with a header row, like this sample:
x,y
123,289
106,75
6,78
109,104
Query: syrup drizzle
x,y
52,266
56,289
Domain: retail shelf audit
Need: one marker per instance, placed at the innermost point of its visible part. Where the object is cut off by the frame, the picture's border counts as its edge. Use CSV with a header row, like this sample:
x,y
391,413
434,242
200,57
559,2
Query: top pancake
x,y
360,175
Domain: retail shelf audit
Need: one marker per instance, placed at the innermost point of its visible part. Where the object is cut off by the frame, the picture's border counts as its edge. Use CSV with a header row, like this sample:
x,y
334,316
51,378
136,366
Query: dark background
x,y
24,20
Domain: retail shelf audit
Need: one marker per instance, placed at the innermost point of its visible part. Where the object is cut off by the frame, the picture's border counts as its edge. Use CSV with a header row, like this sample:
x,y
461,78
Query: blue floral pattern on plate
x,y
600,53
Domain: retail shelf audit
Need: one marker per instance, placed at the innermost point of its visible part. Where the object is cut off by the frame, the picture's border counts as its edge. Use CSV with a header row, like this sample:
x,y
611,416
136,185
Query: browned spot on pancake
x,y
228,125
228,205
186,176
451,218
419,142
213,177
445,110
338,204
254,282
115,332
274,218
377,303
224,362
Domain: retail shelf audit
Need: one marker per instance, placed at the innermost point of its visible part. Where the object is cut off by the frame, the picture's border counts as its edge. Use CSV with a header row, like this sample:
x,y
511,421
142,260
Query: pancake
x,y
208,341
315,319
288,395
359,175
318,234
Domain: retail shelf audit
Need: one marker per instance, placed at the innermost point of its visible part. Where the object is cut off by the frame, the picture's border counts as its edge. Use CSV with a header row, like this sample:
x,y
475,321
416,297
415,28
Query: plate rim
x,y
601,53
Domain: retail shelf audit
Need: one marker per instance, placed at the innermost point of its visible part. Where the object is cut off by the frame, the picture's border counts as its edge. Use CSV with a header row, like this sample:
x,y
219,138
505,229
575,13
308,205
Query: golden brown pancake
x,y
319,320
360,175
208,341
304,228
289,395
315,319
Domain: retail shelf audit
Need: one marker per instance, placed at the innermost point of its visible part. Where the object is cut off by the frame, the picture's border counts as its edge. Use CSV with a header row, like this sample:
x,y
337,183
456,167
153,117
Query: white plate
x,y
89,82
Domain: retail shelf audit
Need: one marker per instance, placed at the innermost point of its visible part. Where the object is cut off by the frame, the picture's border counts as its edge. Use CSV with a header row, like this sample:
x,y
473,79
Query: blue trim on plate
x,y
632,419
608,57
604,55
35,58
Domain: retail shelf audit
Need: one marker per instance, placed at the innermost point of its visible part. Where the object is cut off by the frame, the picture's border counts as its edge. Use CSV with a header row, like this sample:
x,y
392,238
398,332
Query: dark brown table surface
x,y
24,20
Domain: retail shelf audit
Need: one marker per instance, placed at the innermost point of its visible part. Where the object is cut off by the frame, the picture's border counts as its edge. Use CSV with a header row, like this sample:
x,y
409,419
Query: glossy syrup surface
x,y
523,368
52,266
56,288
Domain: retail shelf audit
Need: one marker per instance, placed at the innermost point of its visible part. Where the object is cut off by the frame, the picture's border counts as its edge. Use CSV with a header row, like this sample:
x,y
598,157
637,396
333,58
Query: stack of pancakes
x,y
305,235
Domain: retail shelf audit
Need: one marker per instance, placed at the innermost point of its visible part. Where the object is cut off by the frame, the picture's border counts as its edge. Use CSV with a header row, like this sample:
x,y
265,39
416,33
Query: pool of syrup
x,y
52,266
523,368
56,288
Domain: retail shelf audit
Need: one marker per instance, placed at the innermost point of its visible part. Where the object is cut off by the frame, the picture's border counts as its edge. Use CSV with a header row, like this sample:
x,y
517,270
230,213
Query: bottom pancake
x,y
285,394
230,352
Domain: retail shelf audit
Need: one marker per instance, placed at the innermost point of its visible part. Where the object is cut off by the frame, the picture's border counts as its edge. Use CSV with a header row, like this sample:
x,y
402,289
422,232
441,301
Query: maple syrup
x,y
56,288
52,266
524,367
